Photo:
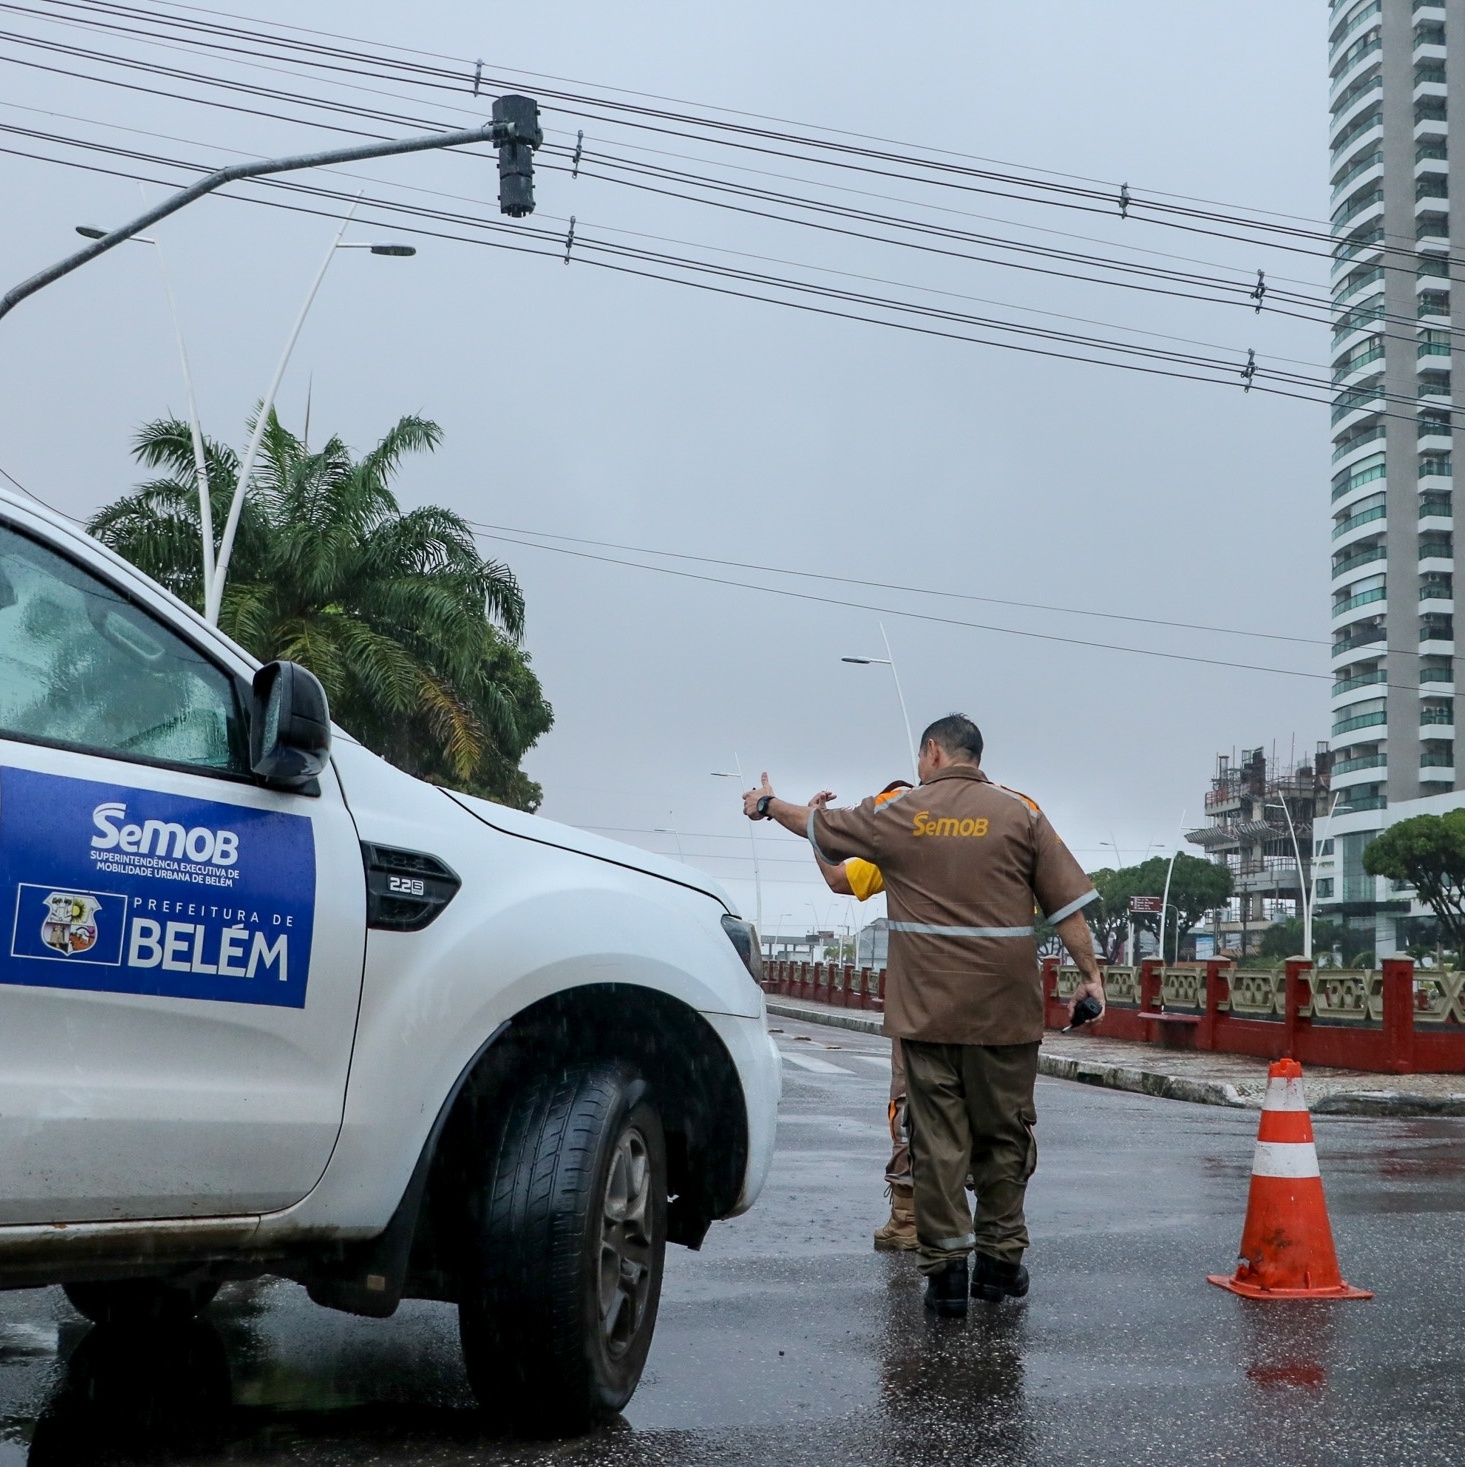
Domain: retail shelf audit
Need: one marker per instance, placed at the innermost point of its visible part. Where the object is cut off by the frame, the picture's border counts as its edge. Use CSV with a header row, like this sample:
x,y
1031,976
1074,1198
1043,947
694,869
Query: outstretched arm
x,y
790,816
836,878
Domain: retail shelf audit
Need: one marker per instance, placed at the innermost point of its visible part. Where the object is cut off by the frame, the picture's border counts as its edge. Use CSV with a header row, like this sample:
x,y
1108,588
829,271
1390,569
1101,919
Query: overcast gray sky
x,y
583,403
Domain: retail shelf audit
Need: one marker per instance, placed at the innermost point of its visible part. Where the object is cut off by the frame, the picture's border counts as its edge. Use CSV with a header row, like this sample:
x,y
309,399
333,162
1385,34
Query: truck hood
x,y
568,838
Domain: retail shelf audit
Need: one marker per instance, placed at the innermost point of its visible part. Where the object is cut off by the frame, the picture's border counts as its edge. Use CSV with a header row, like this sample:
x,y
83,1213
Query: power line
x,y
1317,304
894,586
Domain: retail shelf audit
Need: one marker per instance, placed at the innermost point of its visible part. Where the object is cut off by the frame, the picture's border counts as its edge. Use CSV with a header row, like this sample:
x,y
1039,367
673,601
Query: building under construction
x,y
1259,824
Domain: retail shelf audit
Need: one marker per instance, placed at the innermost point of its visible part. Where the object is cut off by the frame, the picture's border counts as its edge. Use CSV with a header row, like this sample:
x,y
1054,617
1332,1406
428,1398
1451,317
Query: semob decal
x,y
132,891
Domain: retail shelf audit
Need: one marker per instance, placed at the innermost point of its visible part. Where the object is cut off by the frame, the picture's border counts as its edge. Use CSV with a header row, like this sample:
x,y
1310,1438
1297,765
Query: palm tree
x,y
413,633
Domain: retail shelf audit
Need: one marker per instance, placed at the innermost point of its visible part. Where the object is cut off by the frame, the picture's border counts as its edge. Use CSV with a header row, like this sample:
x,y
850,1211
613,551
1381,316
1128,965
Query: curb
x,y
1142,1082
1167,1087
861,1023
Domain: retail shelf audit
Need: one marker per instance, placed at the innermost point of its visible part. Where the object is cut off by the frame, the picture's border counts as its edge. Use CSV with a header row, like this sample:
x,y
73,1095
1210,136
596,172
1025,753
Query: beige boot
x,y
899,1234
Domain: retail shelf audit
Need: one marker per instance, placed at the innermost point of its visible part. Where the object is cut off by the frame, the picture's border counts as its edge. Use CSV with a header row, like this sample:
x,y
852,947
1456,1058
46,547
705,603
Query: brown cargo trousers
x,y
898,1172
971,1109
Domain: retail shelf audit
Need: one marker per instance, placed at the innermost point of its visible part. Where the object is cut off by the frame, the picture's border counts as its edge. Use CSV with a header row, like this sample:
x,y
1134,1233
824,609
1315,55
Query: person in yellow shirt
x,y
862,880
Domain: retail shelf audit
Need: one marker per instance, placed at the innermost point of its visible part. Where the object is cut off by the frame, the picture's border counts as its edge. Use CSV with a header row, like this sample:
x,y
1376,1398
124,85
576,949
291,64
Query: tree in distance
x,y
1197,886
413,634
1428,853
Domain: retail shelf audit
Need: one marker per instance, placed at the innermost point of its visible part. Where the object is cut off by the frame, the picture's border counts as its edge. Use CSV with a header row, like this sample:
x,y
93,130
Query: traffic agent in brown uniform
x,y
966,863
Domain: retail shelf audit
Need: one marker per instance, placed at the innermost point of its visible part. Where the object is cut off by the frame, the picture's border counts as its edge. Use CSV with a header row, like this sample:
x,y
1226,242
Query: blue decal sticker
x,y
131,891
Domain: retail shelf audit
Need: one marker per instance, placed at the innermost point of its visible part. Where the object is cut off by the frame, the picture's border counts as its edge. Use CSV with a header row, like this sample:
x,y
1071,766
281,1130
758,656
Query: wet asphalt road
x,y
787,1340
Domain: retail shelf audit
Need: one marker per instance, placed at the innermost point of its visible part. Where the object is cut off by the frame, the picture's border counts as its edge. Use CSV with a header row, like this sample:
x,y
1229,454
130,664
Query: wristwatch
x,y
762,806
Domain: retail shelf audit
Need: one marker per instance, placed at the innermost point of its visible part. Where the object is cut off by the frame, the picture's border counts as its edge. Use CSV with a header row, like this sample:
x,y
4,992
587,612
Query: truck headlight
x,y
744,937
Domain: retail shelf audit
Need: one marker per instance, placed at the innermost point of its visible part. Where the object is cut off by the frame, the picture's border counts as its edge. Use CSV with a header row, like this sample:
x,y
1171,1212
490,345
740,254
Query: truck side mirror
x,y
289,726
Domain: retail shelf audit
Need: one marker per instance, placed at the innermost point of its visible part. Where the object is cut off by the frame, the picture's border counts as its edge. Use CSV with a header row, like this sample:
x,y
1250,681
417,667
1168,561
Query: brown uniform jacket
x,y
965,863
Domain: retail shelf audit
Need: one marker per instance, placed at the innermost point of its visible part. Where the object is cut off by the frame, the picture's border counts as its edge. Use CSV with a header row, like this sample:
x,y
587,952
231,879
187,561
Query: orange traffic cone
x,y
1287,1245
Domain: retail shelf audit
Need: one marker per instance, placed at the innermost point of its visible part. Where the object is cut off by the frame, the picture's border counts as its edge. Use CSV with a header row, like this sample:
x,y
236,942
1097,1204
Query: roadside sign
x,y
1146,904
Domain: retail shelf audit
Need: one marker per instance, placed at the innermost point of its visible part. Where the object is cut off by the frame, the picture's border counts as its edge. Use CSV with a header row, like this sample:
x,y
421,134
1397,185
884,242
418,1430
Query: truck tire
x,y
564,1249
140,1301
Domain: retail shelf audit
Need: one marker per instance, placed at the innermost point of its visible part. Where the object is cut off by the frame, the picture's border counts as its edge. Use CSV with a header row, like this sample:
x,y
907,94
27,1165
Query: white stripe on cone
x,y
1284,1094
1285,1159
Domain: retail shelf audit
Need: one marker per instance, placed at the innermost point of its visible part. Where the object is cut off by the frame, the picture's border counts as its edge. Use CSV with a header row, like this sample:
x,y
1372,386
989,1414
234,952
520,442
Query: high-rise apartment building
x,y
1398,84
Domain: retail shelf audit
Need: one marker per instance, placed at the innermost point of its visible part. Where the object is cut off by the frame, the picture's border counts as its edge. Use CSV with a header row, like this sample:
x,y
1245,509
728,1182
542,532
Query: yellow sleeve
x,y
864,878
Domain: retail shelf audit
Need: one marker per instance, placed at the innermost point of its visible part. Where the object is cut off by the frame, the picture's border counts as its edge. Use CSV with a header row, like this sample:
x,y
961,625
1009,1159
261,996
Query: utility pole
x,y
514,131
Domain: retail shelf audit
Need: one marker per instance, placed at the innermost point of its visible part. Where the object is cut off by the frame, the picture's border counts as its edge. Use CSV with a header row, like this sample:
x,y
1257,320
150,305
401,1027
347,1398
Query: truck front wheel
x,y
565,1243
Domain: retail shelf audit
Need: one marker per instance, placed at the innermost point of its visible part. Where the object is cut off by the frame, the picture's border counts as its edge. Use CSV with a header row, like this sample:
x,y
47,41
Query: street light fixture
x,y
1303,899
676,835
200,461
246,468
889,661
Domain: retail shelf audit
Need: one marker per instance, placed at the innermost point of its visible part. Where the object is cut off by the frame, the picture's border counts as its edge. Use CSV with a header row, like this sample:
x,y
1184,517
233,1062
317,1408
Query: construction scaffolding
x,y
1259,824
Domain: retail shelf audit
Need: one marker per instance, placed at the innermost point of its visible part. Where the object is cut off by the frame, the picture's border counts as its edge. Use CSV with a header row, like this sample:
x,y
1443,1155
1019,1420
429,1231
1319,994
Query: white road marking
x,y
819,1066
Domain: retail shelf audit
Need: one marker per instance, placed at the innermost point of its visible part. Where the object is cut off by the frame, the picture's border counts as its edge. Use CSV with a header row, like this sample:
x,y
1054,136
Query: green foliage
x,y
413,634
1197,886
1427,852
1108,917
1284,939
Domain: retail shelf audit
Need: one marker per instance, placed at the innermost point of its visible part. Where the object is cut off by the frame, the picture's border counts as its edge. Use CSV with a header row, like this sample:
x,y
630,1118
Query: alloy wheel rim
x,y
625,1243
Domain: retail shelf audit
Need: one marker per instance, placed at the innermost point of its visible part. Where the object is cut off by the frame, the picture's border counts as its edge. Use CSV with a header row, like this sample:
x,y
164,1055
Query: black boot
x,y
946,1289
995,1281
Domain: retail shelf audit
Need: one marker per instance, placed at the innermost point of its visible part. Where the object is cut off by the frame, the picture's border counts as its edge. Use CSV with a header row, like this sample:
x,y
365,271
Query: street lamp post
x,y
246,468
736,772
889,661
1165,899
1304,896
672,831
514,130
200,461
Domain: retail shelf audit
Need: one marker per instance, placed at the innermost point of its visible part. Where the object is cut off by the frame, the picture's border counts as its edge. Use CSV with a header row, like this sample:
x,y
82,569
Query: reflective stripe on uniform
x,y
1072,907
823,859
967,1240
929,929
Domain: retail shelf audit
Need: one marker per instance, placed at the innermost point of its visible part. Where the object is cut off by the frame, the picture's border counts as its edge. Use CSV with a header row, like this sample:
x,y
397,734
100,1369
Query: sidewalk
x,y
1205,1078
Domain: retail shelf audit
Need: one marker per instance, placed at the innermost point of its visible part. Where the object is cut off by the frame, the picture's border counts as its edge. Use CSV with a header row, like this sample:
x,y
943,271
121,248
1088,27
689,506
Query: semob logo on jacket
x,y
134,891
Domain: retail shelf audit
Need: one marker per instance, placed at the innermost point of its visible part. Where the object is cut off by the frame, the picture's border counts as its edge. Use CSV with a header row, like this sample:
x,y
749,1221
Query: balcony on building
x,y
1359,246
1433,308
1436,552
1437,591
1363,50
1358,481
1436,635
1434,431
1342,28
1355,682
1436,675
1363,765
1355,126
1370,591
1364,164
1371,713
1355,325
1345,93
1436,512
1360,798
1436,759
1353,560
1431,227
1363,518
1356,441
1437,718
1371,632
1353,366
1363,205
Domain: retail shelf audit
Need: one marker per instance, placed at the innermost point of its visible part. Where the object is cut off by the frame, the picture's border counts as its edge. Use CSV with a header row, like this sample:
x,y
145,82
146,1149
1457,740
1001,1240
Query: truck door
x,y
180,949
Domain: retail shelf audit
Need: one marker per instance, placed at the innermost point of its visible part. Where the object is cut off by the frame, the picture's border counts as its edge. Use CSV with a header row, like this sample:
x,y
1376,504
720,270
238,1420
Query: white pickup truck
x,y
270,1006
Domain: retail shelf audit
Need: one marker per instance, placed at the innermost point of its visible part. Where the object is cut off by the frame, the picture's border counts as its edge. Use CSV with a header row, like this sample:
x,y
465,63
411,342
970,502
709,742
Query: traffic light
x,y
516,153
